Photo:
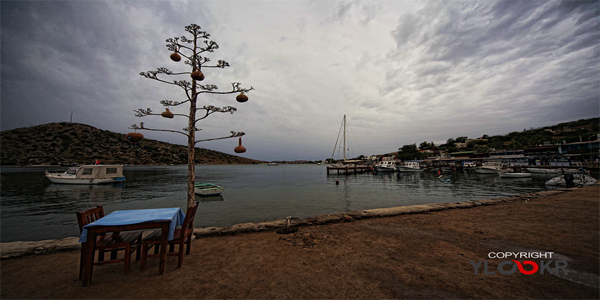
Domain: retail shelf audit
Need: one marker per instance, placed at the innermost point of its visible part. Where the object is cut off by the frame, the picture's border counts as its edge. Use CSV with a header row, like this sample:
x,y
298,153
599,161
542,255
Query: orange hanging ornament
x,y
167,114
241,97
175,56
240,148
198,75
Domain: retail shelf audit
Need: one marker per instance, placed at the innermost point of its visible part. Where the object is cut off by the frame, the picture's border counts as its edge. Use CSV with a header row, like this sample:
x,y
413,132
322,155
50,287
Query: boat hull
x,y
384,169
515,175
579,180
207,193
208,189
406,169
486,171
62,180
543,171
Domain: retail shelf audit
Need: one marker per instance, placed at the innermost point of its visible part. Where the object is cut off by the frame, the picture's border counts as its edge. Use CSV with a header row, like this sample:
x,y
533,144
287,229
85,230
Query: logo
x,y
516,263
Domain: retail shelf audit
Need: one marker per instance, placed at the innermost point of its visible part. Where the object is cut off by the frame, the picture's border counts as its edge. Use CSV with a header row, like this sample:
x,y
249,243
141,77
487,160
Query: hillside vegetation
x,y
56,143
569,132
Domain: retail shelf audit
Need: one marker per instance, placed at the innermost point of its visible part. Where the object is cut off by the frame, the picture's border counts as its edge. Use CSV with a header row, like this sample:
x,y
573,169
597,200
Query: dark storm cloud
x,y
529,59
54,58
85,56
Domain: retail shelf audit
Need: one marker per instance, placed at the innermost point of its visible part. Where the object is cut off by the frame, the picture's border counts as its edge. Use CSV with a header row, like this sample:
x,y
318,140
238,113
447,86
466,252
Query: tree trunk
x,y
191,196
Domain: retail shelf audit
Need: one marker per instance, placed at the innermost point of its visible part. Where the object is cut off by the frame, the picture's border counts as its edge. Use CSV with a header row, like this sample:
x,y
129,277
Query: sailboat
x,y
346,149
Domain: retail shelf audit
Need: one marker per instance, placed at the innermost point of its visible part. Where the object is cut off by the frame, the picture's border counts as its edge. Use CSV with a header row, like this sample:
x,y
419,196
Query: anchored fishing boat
x,y
411,166
88,174
490,167
208,189
577,179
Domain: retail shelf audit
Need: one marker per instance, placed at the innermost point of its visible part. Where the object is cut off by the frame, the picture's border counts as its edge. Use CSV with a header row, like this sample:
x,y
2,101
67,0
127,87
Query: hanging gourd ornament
x,y
134,137
240,148
241,97
198,75
167,114
175,56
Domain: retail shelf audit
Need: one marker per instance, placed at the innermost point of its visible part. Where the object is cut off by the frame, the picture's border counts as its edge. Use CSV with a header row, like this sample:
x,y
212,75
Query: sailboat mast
x,y
344,137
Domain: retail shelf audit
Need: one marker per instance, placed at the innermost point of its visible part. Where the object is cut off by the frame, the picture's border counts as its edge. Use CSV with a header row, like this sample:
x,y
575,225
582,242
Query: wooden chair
x,y
181,236
129,241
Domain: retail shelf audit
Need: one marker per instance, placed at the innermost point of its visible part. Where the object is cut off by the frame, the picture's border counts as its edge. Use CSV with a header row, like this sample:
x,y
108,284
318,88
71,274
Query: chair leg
x,y
81,267
171,248
113,255
127,258
156,248
139,249
180,260
189,245
144,256
101,255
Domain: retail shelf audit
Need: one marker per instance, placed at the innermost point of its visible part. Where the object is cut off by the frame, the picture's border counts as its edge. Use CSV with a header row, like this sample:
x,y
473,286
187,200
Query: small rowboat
x,y
208,189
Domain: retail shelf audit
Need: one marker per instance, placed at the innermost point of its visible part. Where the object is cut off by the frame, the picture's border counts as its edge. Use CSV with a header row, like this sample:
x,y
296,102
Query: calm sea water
x,y
32,208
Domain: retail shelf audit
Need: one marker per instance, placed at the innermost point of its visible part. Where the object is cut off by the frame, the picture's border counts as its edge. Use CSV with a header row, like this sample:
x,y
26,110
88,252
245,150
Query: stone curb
x,y
358,215
18,249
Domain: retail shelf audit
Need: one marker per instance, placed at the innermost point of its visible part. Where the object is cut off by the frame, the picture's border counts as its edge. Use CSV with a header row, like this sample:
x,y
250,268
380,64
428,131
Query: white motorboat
x,y
543,170
208,189
411,166
88,174
386,166
514,174
490,167
578,180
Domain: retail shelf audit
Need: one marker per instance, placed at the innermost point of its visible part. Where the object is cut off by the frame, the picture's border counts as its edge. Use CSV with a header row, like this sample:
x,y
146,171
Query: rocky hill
x,y
57,143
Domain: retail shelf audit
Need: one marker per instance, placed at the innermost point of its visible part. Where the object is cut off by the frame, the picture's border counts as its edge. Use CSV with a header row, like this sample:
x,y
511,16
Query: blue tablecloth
x,y
128,217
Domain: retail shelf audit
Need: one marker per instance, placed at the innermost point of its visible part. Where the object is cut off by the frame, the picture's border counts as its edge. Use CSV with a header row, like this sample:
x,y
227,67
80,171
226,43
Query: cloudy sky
x,y
402,71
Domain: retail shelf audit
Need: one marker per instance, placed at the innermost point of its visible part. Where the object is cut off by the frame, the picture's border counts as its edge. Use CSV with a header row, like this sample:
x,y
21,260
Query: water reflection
x,y
254,194
209,198
92,192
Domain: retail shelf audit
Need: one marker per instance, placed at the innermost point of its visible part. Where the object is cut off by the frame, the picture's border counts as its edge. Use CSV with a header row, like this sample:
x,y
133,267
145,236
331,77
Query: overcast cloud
x,y
402,71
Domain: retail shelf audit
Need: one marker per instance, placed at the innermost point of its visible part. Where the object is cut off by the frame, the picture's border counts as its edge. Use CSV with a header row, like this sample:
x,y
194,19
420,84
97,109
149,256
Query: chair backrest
x,y
188,222
88,216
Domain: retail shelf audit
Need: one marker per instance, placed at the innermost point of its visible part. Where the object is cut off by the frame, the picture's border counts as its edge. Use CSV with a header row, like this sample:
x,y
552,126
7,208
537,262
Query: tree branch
x,y
148,112
220,64
212,109
235,89
172,103
233,135
141,127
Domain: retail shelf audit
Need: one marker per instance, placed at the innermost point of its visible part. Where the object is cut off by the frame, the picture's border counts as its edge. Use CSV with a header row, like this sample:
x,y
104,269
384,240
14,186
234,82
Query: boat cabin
x,y
96,171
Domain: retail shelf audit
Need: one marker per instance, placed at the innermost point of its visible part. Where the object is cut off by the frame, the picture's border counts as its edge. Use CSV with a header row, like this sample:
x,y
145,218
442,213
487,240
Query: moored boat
x,y
208,189
386,166
88,174
514,174
543,170
490,167
578,179
411,166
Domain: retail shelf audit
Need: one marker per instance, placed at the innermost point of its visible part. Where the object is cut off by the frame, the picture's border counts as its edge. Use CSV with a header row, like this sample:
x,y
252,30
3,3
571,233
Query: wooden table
x,y
167,226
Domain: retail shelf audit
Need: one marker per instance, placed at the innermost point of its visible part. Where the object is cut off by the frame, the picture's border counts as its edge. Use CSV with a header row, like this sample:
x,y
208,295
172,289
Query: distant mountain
x,y
56,143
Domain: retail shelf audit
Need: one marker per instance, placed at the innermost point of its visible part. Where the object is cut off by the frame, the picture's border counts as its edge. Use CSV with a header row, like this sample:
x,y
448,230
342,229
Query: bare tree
x,y
193,51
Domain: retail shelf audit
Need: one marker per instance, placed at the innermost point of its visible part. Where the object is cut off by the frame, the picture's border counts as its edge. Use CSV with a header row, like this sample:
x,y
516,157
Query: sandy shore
x,y
426,255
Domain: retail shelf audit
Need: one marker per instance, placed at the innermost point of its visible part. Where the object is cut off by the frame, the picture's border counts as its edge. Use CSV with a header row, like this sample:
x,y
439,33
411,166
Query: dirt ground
x,y
409,256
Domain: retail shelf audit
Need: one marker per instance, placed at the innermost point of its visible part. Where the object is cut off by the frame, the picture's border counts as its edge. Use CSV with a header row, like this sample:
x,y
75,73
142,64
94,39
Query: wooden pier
x,y
349,170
